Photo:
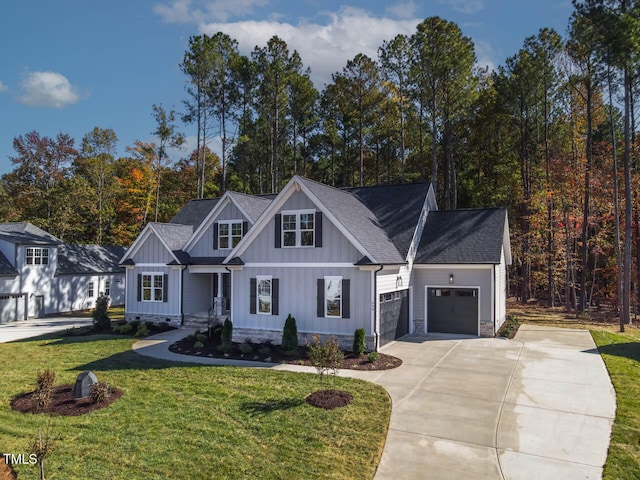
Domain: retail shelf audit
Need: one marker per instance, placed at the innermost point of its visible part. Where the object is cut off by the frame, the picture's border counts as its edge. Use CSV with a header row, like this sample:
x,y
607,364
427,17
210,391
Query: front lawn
x,y
621,354
179,421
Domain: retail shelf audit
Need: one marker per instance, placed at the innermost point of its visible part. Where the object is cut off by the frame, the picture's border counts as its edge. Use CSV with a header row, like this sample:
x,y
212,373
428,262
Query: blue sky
x,y
69,65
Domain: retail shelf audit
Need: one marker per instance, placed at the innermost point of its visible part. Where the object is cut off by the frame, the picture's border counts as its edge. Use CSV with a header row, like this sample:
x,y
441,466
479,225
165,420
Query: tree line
x,y
551,135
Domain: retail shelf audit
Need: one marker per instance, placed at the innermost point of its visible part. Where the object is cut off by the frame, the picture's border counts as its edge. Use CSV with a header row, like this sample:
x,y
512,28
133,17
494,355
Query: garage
x,y
13,307
394,316
452,310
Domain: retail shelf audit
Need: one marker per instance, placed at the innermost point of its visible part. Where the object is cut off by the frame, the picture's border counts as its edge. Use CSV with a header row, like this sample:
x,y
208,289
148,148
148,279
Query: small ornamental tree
x,y
101,320
325,356
359,343
290,334
227,333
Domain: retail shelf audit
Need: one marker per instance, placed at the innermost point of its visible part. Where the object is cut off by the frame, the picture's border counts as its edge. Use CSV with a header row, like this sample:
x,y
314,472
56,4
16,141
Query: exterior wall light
x,y
451,278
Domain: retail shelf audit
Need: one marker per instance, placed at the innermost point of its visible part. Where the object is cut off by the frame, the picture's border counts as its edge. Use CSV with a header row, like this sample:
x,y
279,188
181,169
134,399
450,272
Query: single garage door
x,y
452,310
12,307
394,316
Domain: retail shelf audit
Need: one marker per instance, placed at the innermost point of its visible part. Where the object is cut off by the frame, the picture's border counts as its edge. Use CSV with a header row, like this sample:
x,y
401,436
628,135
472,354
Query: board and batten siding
x,y
152,251
463,277
336,248
198,292
204,246
170,307
298,297
501,291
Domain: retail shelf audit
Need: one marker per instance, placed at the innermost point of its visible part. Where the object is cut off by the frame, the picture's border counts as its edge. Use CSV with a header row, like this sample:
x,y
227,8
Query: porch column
x,y
219,300
219,294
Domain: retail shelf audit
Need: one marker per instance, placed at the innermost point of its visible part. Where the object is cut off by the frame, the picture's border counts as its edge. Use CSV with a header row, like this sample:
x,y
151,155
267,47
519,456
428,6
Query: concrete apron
x,y
539,406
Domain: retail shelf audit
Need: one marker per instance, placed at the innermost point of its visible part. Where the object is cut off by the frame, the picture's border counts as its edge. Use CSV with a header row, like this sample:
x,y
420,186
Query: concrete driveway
x,y
35,327
536,407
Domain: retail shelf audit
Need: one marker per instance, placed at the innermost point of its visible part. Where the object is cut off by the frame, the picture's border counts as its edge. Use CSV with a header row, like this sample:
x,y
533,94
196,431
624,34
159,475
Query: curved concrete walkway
x,y
539,406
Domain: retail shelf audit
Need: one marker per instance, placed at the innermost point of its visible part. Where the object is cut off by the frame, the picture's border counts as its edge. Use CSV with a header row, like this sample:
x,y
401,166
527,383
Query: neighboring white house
x,y
41,275
382,258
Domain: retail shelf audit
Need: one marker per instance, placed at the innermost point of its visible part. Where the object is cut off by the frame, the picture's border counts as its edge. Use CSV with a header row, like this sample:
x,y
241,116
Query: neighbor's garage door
x,y
12,307
452,310
394,316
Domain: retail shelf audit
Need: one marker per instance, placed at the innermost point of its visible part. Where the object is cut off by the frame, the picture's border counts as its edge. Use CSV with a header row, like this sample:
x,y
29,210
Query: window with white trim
x,y
298,228
107,287
333,297
152,287
229,234
263,295
37,256
91,290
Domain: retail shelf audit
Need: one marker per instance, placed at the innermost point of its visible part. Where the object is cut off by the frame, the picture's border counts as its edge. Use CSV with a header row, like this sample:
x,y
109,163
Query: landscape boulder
x,y
82,388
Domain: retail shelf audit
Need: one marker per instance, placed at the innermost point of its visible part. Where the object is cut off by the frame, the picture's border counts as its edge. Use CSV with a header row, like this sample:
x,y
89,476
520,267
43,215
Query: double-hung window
x,y
91,290
229,234
298,228
152,287
263,295
107,287
37,256
333,297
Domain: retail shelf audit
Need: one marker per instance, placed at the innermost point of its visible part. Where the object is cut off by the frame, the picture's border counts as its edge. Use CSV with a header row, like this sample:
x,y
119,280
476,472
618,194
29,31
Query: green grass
x,y
189,422
621,354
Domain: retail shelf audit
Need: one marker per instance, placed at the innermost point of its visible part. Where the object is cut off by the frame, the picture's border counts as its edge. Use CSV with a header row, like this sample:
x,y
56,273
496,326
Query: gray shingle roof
x,y
6,269
463,236
253,205
25,233
354,215
89,259
397,208
175,236
194,212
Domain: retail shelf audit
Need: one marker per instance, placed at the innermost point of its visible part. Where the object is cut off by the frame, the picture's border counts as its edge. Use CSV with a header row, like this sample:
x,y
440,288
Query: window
x,y
263,295
37,256
333,296
107,287
152,287
91,291
298,229
229,234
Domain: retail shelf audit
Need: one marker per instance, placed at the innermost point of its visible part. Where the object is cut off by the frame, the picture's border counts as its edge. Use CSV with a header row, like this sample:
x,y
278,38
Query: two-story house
x,y
41,275
382,258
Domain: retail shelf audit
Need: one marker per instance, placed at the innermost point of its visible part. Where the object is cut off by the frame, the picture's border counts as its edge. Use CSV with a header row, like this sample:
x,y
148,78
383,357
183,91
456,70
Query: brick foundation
x,y
173,320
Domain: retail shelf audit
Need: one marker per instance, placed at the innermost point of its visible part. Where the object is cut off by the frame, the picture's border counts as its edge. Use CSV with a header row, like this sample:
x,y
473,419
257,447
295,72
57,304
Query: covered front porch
x,y
206,296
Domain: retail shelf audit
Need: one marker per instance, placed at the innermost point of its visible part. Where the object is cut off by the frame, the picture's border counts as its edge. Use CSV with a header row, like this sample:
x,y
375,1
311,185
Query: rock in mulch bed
x,y
6,471
63,402
329,399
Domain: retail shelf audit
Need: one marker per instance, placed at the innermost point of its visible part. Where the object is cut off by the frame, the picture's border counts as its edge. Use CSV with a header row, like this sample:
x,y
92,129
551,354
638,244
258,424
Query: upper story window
x,y
298,228
37,256
229,234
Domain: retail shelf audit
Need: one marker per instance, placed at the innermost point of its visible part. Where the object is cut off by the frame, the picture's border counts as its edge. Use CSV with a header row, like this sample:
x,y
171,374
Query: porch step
x,y
200,322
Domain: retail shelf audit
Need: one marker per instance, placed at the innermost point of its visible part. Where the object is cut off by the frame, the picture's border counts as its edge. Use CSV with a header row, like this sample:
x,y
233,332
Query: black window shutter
x,y
318,226
215,236
346,298
245,228
278,232
252,295
275,296
320,306
165,288
139,287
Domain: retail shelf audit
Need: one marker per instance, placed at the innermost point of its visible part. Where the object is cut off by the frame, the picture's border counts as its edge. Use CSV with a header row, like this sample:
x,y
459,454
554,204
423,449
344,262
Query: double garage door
x,y
13,307
394,315
452,310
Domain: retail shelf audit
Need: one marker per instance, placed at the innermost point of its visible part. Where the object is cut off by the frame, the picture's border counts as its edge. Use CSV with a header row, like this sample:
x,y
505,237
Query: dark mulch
x,y
329,399
6,471
266,352
63,402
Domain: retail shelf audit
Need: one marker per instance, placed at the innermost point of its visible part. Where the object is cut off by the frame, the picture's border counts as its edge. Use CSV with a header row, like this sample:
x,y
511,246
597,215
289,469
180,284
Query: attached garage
x,y
394,316
452,310
13,307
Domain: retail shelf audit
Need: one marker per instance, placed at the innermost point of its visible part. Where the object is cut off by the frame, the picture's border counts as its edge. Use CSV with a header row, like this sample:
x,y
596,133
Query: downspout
x,y
230,293
184,267
376,335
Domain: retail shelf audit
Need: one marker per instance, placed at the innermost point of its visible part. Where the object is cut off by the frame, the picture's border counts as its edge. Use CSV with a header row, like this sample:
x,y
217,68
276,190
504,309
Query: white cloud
x,y
48,89
403,10
485,55
465,6
181,11
3,87
325,48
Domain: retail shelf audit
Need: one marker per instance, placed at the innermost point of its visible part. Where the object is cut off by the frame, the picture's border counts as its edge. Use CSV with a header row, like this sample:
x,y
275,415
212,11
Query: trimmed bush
x,y
246,348
142,331
198,345
227,333
359,343
101,320
290,334
373,357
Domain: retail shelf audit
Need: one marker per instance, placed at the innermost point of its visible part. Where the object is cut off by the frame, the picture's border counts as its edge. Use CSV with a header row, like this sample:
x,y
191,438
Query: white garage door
x,y
12,307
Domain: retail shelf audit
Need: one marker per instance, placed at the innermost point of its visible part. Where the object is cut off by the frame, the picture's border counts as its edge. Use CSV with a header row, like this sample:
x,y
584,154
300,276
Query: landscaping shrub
x,y
122,328
246,348
373,357
359,343
100,392
227,333
198,345
510,327
142,331
41,398
101,320
201,337
290,334
325,356
45,379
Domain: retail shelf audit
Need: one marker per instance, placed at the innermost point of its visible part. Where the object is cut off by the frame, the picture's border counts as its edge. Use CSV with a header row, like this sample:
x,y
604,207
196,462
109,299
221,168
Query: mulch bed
x,y
63,402
6,471
270,353
329,399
